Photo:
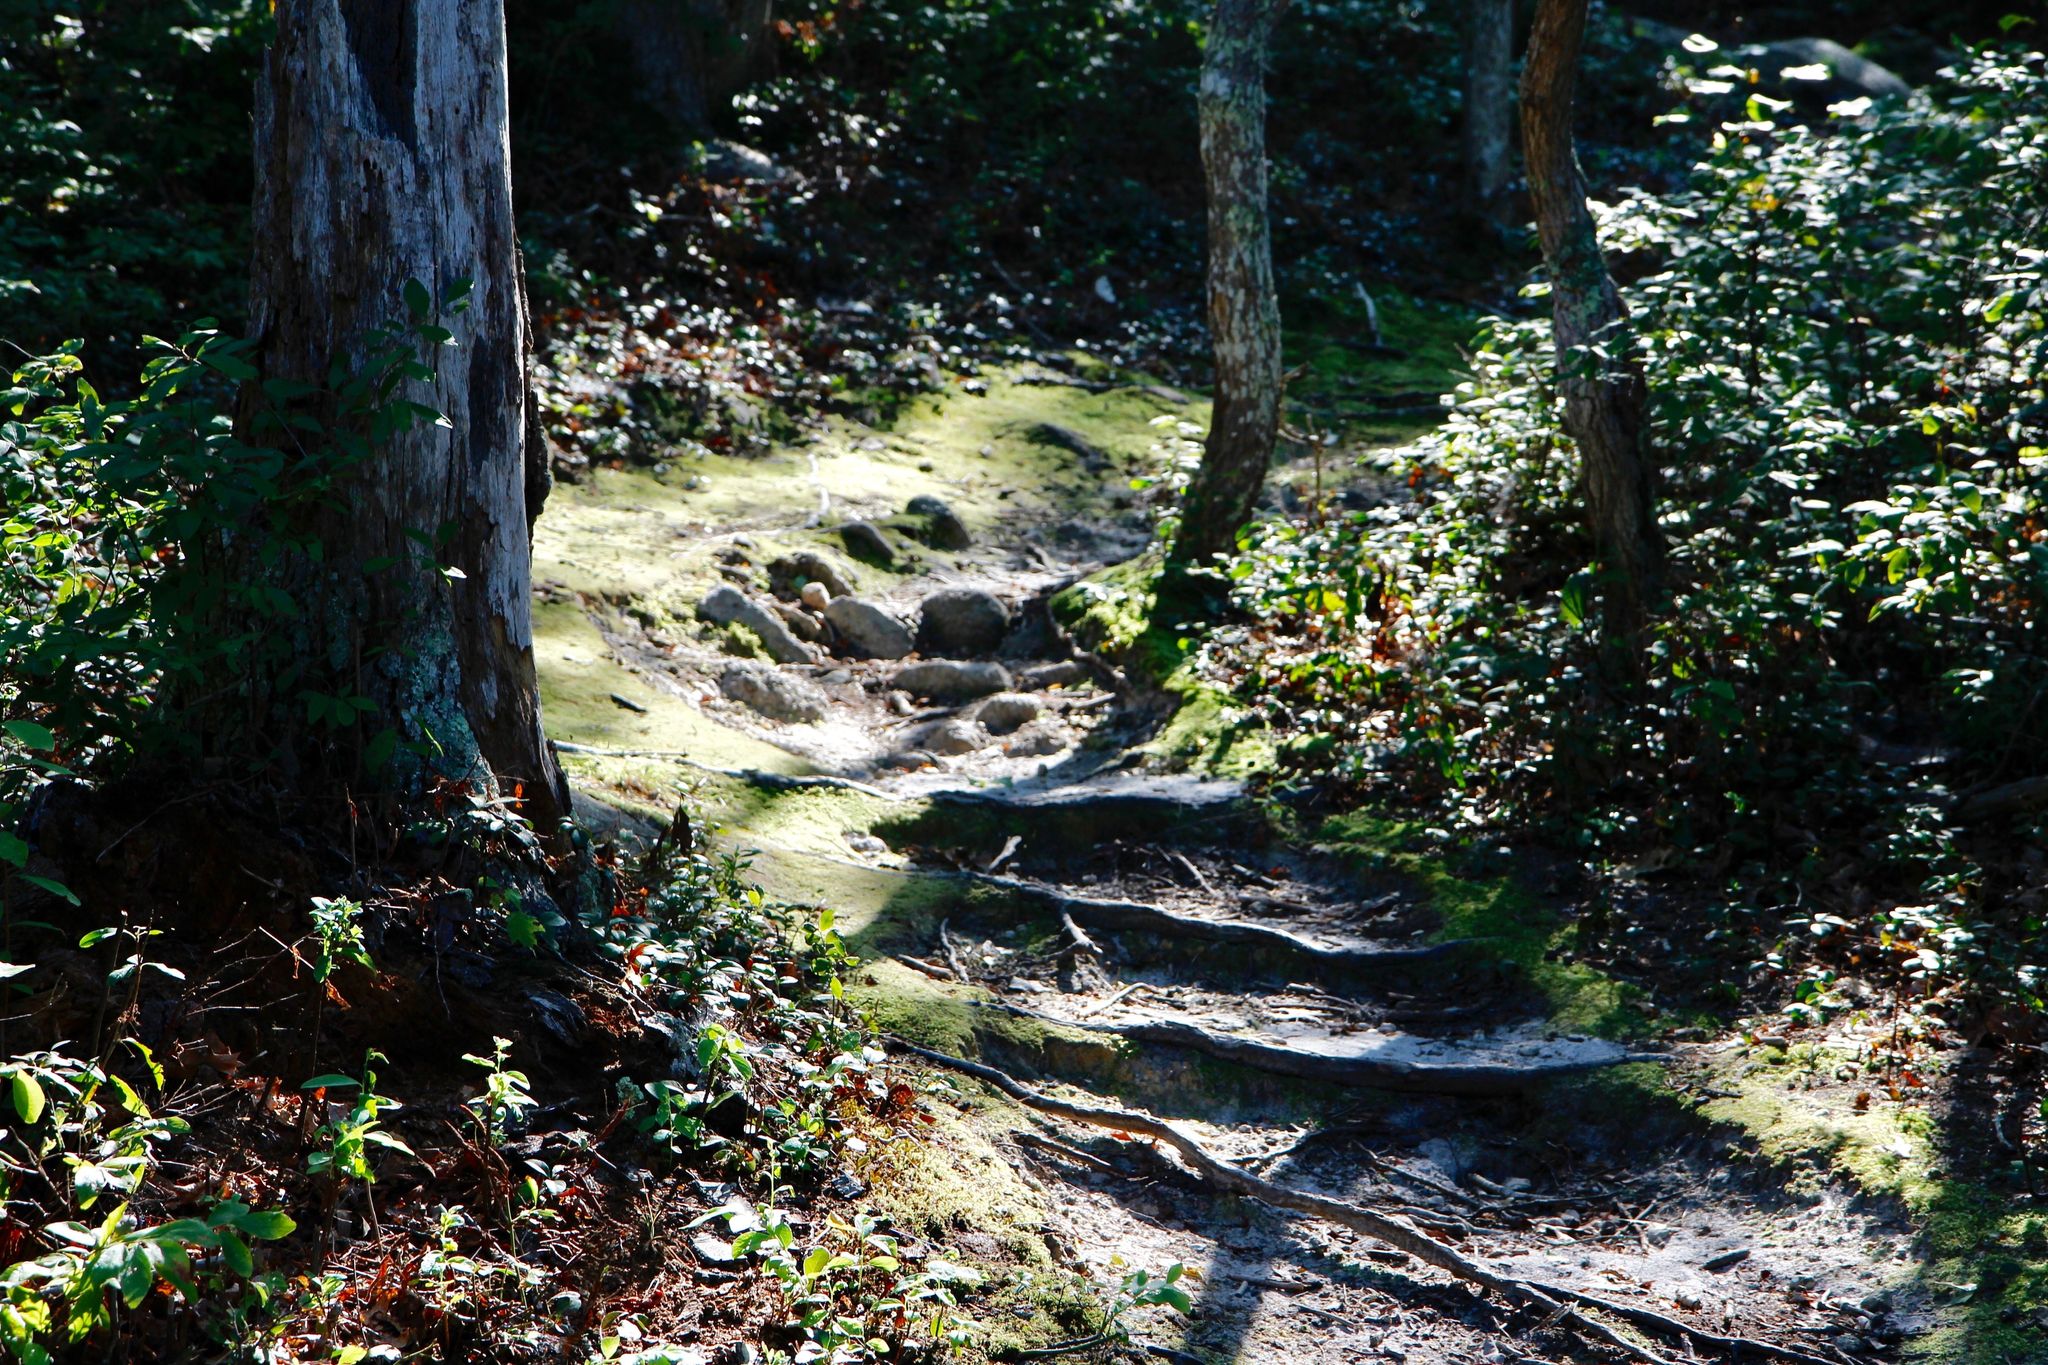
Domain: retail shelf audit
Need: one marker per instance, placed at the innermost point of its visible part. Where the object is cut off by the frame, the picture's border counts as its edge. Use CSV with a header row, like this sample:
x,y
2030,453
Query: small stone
x,y
728,605
901,704
713,1250
1007,712
952,680
1066,438
801,623
863,541
1732,1257
867,629
945,530
775,694
790,572
1065,673
815,595
1037,741
1688,1297
865,843
953,736
962,623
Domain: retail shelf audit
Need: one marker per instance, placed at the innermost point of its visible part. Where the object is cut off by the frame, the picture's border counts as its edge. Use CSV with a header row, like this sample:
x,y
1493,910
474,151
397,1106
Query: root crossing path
x,y
1367,1117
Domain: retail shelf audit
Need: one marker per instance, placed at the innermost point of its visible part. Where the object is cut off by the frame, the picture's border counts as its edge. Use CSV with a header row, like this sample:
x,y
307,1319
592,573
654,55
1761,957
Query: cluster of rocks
x,y
948,645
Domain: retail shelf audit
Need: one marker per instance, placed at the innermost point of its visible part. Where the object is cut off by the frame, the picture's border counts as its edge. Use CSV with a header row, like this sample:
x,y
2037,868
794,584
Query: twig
x,y
1099,1006
1081,942
1074,1154
952,953
930,969
1395,1232
1192,870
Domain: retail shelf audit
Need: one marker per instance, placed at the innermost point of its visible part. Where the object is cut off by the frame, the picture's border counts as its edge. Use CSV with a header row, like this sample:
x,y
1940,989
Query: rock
x,y
960,623
801,623
952,736
944,529
713,1250
865,843
775,694
1818,67
1037,740
867,629
1066,438
1007,712
815,595
951,679
790,572
728,605
1065,673
735,162
864,542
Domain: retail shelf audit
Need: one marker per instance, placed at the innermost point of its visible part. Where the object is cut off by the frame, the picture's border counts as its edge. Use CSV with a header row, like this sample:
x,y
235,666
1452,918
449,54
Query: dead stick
x,y
1395,1232
952,953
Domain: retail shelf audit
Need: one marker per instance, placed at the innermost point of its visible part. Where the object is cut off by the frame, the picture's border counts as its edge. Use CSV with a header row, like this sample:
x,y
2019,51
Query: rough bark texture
x,y
691,57
1489,34
1244,308
382,156
1601,383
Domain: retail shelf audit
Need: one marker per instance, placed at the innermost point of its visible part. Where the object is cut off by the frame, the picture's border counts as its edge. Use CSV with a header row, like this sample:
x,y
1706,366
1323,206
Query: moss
x,y
1517,927
578,679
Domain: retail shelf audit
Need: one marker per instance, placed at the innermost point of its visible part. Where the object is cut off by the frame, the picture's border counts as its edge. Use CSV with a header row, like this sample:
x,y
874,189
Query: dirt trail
x,y
1030,887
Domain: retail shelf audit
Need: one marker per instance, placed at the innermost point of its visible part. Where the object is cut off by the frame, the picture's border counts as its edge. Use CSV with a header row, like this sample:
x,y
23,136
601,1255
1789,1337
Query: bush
x,y
1844,332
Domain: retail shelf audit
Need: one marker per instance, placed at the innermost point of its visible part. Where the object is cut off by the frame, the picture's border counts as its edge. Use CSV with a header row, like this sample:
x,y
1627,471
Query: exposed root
x,y
1138,917
1395,1232
1471,1079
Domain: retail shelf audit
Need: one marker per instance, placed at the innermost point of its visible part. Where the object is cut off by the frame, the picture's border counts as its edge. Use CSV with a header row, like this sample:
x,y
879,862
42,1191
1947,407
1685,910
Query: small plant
x,y
1141,1288
345,1141
337,936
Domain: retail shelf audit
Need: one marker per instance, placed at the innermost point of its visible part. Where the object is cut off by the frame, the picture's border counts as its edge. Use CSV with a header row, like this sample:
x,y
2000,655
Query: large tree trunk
x,y
1489,33
382,156
691,57
1601,381
1244,307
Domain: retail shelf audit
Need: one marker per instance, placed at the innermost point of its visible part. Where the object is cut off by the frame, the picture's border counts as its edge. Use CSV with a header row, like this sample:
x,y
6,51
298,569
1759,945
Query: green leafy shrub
x,y
1844,331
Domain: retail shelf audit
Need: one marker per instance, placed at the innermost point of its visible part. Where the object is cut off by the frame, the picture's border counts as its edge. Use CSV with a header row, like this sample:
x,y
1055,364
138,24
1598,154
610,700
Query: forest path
x,y
1038,879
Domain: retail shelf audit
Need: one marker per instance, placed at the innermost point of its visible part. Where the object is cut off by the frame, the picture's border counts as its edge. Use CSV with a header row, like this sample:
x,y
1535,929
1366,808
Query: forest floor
x,y
1074,884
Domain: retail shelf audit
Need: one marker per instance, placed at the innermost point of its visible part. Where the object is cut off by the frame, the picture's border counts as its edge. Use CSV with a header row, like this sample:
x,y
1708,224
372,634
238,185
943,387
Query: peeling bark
x,y
1244,306
382,156
1601,381
1489,37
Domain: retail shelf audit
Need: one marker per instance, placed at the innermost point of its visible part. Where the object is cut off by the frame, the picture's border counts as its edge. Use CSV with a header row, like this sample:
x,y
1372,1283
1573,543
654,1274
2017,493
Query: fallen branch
x,y
1394,1232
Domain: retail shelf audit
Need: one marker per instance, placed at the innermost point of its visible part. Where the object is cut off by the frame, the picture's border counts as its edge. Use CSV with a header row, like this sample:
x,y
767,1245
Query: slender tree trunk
x,y
382,156
1244,307
1489,33
691,57
1600,379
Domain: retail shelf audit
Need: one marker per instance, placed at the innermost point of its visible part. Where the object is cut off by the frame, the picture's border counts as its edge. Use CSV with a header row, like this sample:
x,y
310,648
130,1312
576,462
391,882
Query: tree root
x,y
1559,1302
1141,918
1472,1080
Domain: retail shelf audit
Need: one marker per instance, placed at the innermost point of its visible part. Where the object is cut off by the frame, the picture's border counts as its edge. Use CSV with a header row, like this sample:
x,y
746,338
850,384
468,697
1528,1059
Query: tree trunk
x,y
691,57
382,157
1489,33
1244,308
1601,381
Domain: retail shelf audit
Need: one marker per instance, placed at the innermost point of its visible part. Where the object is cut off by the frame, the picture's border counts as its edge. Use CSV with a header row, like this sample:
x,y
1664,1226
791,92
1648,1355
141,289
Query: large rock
x,y
1820,67
864,542
961,623
867,629
790,572
727,605
951,680
775,694
1006,712
1065,673
943,528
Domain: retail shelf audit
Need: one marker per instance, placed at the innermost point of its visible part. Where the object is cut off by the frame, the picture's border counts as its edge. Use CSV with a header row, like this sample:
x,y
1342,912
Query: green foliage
x,y
64,1295
1844,337
124,197
346,1134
